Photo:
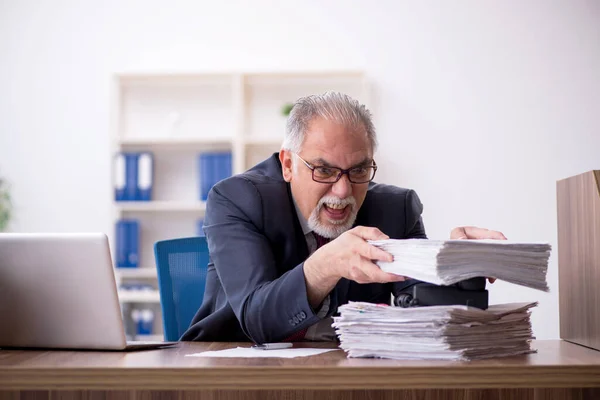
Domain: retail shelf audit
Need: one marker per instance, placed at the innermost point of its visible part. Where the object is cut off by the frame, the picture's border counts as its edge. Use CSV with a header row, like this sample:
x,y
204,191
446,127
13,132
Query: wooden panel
x,y
578,203
437,394
557,364
158,395
12,395
67,395
440,394
92,395
573,394
34,395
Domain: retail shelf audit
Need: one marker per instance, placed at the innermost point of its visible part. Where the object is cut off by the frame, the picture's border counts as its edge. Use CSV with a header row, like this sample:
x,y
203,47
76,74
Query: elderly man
x,y
288,238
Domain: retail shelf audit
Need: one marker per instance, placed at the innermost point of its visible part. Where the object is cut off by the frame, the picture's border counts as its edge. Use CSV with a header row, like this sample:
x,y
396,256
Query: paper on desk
x,y
248,352
455,332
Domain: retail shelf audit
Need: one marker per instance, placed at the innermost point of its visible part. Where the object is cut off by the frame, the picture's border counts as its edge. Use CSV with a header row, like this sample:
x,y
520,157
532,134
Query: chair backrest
x,y
181,265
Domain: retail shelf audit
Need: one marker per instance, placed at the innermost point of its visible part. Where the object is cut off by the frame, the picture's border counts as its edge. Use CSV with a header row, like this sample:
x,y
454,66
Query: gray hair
x,y
332,106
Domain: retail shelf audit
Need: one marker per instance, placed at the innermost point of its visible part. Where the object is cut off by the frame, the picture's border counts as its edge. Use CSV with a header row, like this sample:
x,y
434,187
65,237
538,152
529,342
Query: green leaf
x,y
286,109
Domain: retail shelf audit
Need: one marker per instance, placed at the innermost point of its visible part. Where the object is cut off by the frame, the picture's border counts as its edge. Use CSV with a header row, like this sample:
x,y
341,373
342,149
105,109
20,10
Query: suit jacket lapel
x,y
298,235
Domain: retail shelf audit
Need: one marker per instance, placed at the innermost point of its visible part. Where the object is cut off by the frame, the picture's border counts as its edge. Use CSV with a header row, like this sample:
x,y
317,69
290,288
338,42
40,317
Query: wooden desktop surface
x,y
557,364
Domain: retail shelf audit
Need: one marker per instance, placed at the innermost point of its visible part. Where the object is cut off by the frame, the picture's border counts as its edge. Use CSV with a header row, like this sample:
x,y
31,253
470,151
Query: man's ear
x,y
285,157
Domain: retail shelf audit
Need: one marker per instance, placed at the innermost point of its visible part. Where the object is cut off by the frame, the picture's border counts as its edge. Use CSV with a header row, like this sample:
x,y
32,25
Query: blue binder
x,y
134,176
213,167
224,166
144,320
120,176
127,243
205,174
131,176
228,165
216,166
145,176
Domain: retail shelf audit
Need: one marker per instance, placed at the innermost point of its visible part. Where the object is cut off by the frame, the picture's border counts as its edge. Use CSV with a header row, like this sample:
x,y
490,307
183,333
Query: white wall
x,y
481,105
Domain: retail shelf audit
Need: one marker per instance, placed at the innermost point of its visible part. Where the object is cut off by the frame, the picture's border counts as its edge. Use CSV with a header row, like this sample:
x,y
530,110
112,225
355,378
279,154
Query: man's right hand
x,y
348,256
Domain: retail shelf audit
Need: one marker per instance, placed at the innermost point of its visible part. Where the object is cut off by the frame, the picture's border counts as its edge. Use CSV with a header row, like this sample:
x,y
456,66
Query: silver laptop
x,y
59,291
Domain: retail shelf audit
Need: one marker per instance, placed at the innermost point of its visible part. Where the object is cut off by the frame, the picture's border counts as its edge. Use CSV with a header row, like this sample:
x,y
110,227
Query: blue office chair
x,y
181,265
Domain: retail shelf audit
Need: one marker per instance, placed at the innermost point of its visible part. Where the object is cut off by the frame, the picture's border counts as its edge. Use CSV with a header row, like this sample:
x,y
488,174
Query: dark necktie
x,y
320,240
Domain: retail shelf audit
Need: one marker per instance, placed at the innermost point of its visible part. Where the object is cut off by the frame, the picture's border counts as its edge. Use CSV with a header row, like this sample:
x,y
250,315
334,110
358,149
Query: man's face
x,y
329,208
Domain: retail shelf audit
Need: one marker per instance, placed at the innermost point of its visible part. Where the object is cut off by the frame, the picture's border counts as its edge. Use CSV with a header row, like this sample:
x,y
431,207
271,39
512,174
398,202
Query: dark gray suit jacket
x,y
255,286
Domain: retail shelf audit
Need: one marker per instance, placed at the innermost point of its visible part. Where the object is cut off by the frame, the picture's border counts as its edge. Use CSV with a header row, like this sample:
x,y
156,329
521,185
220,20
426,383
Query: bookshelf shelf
x,y
265,141
139,296
177,116
136,273
162,206
175,143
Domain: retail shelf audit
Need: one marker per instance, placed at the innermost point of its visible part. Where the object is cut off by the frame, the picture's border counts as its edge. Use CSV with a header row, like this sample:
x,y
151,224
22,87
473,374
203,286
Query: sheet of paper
x,y
248,352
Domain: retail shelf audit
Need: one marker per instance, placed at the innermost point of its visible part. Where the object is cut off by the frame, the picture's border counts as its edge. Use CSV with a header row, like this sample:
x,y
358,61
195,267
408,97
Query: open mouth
x,y
336,212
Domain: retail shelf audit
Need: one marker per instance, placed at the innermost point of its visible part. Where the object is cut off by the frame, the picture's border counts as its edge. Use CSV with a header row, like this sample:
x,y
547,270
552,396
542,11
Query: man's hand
x,y
473,232
348,256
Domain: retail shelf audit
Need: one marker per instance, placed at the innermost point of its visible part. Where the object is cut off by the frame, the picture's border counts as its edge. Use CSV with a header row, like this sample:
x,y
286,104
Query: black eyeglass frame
x,y
341,172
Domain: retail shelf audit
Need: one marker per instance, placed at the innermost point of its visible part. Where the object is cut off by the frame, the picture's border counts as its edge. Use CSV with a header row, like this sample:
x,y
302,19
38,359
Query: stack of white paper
x,y
445,262
434,333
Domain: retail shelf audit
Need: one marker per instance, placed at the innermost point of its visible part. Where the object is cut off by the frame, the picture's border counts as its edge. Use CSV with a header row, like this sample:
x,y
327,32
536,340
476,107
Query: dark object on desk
x,y
471,292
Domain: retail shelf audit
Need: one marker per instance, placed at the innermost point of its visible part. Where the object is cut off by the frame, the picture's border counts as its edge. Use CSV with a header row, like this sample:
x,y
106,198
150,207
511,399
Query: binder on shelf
x,y
145,172
225,166
144,321
131,176
204,166
213,168
134,176
120,177
127,243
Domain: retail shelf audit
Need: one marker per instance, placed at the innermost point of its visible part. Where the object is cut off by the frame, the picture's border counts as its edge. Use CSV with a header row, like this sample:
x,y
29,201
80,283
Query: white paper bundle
x,y
434,333
445,262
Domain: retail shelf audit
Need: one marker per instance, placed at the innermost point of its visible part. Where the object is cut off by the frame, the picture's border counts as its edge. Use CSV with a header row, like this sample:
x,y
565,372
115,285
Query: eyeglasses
x,y
323,174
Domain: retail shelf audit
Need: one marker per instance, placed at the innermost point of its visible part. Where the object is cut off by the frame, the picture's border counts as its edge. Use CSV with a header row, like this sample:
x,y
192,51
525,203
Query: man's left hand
x,y
473,232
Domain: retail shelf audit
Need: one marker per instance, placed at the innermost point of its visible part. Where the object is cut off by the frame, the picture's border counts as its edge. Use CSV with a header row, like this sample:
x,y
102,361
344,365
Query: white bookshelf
x,y
176,116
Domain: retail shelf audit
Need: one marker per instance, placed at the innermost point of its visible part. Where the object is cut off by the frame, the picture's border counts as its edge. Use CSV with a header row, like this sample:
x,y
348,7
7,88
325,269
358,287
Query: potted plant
x,y
5,205
286,109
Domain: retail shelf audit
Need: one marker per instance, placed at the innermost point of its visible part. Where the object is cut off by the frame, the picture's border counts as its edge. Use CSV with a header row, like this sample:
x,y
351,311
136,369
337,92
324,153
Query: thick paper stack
x,y
434,333
448,332
445,262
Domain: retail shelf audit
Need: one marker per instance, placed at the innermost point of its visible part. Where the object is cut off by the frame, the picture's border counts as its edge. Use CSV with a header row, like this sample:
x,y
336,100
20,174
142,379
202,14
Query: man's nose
x,y
342,188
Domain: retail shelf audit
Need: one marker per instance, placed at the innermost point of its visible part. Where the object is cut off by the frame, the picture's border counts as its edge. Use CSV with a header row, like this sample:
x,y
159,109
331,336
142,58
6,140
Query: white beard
x,y
332,229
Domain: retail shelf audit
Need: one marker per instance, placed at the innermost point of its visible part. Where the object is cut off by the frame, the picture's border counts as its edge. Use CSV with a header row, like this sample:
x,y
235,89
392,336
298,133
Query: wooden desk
x,y
559,370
